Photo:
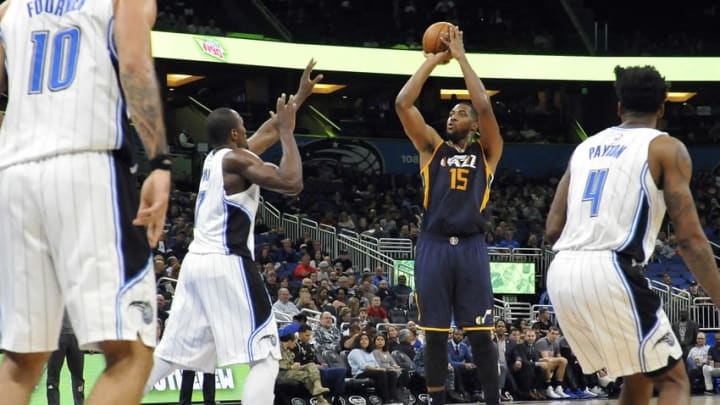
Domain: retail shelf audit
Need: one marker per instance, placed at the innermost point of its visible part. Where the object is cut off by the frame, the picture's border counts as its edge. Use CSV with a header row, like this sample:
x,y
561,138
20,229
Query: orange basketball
x,y
431,42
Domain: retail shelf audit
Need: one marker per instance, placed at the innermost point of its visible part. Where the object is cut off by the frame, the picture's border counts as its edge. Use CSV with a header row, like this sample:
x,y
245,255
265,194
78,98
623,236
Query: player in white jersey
x,y
221,313
72,235
605,217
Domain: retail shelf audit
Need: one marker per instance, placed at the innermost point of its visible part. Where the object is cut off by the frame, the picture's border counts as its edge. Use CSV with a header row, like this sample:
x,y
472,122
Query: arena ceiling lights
x,y
680,96
177,79
249,52
461,94
326,88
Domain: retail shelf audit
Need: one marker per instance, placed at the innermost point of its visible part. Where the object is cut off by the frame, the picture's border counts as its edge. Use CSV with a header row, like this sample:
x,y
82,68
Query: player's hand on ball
x,y
440,58
455,44
154,197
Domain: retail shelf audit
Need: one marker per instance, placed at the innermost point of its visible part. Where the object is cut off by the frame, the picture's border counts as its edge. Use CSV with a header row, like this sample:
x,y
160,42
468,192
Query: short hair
x,y
473,113
554,328
219,124
304,328
302,318
640,88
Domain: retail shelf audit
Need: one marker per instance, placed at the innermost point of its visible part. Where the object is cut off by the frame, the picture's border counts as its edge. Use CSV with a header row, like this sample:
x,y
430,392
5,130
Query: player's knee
x,y
128,354
25,368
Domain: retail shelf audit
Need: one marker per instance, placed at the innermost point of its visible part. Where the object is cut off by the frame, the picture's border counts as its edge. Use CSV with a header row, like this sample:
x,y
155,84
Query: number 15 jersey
x,y
613,202
63,87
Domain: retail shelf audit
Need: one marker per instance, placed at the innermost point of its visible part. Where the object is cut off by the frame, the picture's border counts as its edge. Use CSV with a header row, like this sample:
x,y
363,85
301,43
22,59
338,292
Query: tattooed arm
x,y
133,21
671,167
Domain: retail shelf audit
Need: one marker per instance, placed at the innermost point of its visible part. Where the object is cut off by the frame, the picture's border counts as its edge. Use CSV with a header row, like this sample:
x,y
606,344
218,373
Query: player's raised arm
x,y
675,172
287,178
490,137
422,135
267,134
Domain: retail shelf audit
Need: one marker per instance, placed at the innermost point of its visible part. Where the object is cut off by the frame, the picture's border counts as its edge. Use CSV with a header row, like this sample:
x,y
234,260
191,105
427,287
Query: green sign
x,y
507,278
229,382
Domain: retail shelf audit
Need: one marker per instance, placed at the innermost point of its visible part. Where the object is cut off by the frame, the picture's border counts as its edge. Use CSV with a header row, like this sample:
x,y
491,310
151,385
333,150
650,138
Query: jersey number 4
x,y
63,59
594,188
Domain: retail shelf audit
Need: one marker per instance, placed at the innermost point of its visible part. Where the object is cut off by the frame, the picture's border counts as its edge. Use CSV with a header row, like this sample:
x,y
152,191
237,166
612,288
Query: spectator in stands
x,y
323,268
306,353
686,331
263,257
304,268
461,359
667,280
363,365
305,300
376,312
387,298
341,294
322,299
401,290
695,291
525,364
349,341
712,368
419,337
697,357
385,359
502,343
290,369
344,316
271,284
407,339
552,364
393,340
162,312
543,322
306,239
345,221
366,289
509,241
283,304
379,275
327,334
344,260
173,270
287,253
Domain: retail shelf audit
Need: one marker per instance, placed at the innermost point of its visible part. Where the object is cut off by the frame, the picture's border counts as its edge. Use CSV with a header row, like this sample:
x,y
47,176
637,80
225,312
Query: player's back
x,y
613,202
223,223
64,92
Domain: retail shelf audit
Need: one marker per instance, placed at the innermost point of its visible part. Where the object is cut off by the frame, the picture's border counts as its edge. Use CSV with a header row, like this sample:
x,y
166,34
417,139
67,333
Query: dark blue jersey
x,y
456,189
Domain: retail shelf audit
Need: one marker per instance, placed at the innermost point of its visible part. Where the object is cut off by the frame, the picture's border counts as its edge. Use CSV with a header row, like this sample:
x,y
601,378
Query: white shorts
x,y
221,315
609,315
67,241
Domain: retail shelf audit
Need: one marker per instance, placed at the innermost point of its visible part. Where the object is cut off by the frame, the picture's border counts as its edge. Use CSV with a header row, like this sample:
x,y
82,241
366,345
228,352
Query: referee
x,y
67,347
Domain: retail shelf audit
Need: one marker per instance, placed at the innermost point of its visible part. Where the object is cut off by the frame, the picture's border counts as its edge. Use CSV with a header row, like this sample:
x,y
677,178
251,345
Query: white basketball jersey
x,y
223,223
64,92
613,202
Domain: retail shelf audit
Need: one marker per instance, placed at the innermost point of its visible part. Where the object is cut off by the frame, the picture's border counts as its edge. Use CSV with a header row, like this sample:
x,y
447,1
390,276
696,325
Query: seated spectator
x,y
343,260
543,322
376,311
283,304
327,335
418,336
379,275
525,366
305,353
552,364
695,291
387,297
344,316
711,370
697,356
401,290
308,374
386,360
460,358
363,365
348,341
287,253
304,269
162,312
272,285
305,300
406,337
393,339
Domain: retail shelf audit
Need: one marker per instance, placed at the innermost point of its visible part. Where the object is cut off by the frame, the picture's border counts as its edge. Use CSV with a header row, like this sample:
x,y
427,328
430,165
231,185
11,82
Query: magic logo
x,y
212,47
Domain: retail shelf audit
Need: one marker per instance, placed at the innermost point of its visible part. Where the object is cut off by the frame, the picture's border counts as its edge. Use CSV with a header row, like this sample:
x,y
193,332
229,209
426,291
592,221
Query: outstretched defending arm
x,y
267,134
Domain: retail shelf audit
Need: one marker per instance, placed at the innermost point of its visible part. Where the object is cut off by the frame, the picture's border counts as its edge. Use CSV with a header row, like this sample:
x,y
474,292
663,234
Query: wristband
x,y
161,162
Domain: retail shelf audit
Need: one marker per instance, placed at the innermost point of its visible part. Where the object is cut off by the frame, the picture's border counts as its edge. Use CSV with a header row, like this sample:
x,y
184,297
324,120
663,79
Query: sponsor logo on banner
x,y
212,47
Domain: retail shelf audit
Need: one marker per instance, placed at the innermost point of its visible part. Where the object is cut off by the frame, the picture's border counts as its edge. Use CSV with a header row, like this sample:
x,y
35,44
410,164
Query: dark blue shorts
x,y
452,282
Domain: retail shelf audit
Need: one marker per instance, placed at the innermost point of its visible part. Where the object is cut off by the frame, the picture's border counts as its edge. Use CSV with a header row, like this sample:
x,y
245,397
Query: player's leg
x,y
186,387
54,365
474,312
433,287
104,269
255,390
76,365
127,365
208,388
30,298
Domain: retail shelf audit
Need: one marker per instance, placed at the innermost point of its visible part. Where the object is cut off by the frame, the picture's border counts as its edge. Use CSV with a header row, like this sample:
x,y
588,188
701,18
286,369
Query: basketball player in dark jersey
x,y
452,268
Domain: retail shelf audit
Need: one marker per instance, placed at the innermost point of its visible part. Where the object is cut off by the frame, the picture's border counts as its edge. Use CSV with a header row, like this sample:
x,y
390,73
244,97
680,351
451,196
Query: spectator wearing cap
x,y
543,323
695,291
343,259
308,374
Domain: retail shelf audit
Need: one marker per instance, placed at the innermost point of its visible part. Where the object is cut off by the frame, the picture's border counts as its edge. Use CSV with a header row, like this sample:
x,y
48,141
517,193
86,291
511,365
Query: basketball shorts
x,y
67,240
221,315
609,315
452,283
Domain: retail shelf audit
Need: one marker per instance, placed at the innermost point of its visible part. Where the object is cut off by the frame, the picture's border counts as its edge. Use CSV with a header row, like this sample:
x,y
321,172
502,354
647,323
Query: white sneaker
x,y
550,393
597,390
592,394
559,390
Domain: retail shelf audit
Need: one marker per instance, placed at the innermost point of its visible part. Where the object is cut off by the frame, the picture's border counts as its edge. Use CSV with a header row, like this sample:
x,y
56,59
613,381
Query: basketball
x,y
431,41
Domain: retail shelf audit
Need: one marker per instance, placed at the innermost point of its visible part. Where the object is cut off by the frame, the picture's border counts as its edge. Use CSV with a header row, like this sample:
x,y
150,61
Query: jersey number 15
x,y
63,58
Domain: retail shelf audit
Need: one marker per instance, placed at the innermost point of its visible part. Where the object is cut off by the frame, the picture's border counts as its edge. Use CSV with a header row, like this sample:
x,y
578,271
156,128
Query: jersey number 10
x,y
63,58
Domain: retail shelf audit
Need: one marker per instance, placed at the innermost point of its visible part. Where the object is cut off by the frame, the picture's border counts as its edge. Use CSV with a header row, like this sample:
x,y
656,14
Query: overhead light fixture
x,y
325,88
680,96
461,94
177,79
